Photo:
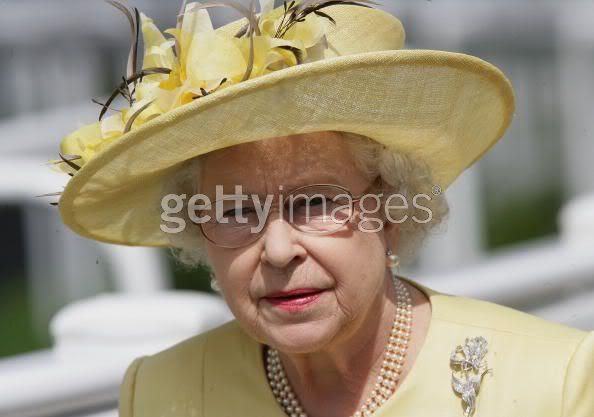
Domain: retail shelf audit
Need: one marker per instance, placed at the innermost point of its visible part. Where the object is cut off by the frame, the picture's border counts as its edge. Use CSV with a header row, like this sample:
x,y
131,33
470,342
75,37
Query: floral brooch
x,y
468,368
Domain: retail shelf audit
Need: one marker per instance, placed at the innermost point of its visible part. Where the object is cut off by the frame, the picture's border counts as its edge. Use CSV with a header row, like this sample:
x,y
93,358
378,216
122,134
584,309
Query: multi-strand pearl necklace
x,y
385,385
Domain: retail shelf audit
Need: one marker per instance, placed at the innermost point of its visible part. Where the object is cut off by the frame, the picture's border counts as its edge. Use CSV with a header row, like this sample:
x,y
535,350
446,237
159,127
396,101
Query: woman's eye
x,y
318,200
312,202
238,212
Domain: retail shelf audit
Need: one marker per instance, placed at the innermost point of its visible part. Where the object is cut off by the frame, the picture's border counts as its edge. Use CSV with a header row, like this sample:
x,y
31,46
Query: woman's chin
x,y
303,337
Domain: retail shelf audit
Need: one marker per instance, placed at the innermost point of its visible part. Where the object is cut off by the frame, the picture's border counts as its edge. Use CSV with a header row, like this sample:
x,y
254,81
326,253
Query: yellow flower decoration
x,y
197,60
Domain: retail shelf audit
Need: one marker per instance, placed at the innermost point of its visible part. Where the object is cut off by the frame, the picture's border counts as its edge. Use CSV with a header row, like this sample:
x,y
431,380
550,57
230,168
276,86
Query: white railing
x,y
76,267
547,280
552,278
95,340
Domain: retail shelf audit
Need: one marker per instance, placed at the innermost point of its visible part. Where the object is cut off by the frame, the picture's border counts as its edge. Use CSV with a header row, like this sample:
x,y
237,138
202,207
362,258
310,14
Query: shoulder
x,y
578,390
176,372
526,353
528,335
498,318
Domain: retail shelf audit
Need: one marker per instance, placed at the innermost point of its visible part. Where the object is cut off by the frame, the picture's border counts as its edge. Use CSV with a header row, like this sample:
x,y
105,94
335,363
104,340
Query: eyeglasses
x,y
319,209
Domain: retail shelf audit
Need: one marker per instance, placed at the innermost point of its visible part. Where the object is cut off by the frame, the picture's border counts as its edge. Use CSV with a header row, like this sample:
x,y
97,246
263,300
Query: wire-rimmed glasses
x,y
319,209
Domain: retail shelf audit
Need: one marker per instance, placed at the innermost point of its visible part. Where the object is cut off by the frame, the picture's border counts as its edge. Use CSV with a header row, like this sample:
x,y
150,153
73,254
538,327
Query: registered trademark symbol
x,y
436,190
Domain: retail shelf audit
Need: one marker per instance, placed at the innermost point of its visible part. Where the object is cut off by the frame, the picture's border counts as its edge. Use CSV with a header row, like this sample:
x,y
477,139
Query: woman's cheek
x,y
245,304
346,300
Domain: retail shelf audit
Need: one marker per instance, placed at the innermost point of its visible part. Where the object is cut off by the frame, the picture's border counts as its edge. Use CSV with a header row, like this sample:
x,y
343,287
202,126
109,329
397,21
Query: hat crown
x,y
357,30
208,59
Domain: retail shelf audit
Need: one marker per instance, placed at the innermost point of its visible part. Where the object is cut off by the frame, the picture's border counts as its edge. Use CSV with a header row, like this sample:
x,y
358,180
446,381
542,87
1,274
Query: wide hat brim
x,y
446,108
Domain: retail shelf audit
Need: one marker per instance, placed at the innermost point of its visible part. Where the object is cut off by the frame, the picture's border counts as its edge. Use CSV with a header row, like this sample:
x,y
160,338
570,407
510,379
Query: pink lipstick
x,y
295,300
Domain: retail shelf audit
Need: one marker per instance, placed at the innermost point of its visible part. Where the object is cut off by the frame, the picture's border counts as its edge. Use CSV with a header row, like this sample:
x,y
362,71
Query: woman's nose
x,y
280,243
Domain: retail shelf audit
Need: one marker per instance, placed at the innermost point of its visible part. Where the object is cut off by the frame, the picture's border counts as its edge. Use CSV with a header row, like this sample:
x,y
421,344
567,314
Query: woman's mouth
x,y
295,300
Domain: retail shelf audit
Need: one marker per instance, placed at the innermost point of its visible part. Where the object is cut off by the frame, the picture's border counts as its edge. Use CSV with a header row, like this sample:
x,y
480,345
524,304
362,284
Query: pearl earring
x,y
393,260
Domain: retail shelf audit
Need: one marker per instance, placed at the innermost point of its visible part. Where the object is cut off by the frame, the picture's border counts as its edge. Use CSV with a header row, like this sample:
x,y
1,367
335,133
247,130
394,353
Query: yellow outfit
x,y
539,369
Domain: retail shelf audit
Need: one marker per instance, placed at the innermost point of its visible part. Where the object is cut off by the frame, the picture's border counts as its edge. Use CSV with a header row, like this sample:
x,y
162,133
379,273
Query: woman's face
x,y
349,265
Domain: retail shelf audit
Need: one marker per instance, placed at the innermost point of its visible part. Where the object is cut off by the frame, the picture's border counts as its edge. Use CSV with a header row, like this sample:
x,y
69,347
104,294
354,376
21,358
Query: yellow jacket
x,y
539,369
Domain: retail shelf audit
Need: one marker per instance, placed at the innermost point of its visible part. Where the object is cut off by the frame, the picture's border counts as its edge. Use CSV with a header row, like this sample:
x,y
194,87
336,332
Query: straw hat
x,y
337,67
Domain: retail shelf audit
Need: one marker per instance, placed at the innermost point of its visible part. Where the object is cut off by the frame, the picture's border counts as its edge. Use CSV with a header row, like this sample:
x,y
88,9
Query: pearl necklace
x,y
385,385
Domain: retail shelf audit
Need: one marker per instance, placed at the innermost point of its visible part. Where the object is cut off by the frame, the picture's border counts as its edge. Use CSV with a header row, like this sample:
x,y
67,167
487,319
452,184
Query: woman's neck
x,y
336,381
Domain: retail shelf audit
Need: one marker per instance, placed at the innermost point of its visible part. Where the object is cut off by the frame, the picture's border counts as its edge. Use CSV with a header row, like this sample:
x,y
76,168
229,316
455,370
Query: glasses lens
x,y
228,235
230,223
319,208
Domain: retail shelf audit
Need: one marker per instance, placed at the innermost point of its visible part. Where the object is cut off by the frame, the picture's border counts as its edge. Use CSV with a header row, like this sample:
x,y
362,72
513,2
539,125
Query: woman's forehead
x,y
302,147
287,161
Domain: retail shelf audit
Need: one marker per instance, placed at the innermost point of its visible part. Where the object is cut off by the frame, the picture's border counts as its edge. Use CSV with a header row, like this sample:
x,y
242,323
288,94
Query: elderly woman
x,y
305,153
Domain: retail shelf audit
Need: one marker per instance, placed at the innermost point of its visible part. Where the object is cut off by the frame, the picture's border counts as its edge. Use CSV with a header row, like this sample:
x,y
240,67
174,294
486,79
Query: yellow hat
x,y
335,67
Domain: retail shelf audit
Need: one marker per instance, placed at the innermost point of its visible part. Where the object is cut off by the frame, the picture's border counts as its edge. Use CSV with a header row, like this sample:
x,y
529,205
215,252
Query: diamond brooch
x,y
468,368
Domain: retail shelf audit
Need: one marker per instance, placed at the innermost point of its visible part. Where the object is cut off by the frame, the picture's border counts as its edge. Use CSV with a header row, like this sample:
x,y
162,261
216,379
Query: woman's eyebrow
x,y
329,179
